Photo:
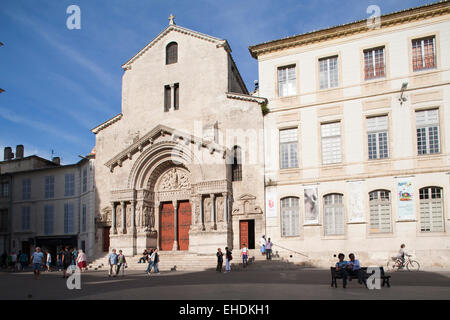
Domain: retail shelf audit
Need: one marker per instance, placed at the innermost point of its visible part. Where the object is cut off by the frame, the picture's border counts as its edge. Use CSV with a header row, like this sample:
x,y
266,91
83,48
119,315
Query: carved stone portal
x,y
174,179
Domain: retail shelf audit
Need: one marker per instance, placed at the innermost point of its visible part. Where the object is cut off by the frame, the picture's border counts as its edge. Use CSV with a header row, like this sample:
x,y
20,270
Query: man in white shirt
x,y
262,244
244,254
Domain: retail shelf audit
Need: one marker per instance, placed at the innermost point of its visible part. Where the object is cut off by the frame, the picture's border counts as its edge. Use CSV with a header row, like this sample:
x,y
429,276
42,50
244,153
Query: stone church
x,y
181,168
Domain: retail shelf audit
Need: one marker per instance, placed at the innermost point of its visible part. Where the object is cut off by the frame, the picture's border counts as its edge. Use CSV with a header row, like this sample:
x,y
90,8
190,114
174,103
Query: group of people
x,y
350,268
116,263
228,258
14,262
266,247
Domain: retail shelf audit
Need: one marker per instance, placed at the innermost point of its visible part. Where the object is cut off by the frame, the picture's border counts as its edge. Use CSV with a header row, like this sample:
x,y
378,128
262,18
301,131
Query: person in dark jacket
x,y
219,255
67,257
228,258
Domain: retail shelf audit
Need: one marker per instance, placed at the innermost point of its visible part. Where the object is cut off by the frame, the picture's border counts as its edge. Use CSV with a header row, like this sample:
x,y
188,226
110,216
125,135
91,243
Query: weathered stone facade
x,y
161,162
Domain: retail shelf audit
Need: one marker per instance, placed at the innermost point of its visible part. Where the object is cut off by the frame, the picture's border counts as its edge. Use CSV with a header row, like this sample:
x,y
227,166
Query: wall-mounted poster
x,y
311,206
356,203
271,203
405,192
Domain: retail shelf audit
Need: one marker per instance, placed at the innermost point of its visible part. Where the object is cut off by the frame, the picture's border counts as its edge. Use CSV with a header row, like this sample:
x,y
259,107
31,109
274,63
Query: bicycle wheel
x,y
413,266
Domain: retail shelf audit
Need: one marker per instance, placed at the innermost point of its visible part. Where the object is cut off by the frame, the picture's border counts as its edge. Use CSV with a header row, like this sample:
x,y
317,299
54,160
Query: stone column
x,y
113,218
133,216
202,223
225,208
213,210
124,230
175,225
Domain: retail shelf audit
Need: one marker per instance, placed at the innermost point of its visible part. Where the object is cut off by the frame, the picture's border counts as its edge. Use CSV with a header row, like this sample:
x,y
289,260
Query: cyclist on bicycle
x,y
400,257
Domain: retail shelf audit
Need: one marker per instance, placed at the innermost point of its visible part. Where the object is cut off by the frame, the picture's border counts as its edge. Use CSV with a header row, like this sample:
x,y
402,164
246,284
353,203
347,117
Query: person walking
x,y
269,249
82,260
66,261
112,262
150,261
48,261
37,260
121,263
59,253
262,245
75,256
228,258
219,255
23,261
244,254
13,261
155,261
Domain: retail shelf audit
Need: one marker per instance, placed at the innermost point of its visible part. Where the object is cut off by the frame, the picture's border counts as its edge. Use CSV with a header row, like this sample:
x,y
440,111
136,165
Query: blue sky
x,y
60,83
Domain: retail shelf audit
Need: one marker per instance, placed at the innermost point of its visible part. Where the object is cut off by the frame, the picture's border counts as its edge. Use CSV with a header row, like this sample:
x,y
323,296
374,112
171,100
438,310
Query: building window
x,y
176,96
49,187
431,212
4,190
26,218
48,219
236,167
331,142
172,53
333,214
26,189
424,53
167,100
377,137
287,81
374,63
427,123
83,219
288,148
69,184
4,220
68,218
380,211
84,179
290,217
328,72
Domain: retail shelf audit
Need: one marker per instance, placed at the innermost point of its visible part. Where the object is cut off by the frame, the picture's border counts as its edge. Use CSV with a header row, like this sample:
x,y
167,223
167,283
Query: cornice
x,y
161,130
106,124
387,20
245,97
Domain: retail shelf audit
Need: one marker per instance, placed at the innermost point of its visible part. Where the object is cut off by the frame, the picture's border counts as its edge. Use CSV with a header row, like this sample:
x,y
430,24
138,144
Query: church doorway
x,y
106,239
247,233
184,224
167,227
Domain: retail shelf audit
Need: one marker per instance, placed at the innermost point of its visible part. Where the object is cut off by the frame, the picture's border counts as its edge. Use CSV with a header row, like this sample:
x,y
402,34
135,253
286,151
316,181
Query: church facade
x,y
175,169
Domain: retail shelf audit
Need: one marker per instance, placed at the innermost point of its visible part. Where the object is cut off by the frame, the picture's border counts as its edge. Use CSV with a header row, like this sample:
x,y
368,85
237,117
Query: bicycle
x,y
411,265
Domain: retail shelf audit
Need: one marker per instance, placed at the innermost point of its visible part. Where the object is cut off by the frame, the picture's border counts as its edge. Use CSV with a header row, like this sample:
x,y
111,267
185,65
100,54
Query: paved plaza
x,y
251,283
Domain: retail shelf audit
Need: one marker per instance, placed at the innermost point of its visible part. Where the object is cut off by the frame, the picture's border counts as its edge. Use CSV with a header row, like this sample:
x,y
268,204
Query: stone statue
x,y
207,210
219,209
174,179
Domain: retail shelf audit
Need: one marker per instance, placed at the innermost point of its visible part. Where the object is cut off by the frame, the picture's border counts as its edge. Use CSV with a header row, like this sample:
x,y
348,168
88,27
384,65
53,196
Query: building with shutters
x,y
357,149
174,169
46,204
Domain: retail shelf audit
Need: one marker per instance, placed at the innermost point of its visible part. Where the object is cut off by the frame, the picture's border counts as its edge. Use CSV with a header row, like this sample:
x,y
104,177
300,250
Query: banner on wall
x,y
271,203
405,192
311,206
356,202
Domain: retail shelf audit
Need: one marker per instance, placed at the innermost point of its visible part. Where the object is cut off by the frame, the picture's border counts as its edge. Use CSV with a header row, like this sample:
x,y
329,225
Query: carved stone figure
x,y
219,209
207,209
105,215
174,179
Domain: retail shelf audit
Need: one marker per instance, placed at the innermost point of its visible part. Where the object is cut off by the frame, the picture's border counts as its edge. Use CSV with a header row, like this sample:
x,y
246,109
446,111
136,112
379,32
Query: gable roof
x,y
176,28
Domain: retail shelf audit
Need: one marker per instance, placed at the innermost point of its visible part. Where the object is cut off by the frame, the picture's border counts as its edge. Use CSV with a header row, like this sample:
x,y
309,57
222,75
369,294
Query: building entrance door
x,y
184,224
106,239
247,233
167,227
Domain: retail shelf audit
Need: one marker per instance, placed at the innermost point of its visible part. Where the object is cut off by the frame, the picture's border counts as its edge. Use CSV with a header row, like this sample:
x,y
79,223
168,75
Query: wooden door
x,y
166,227
243,233
184,223
106,239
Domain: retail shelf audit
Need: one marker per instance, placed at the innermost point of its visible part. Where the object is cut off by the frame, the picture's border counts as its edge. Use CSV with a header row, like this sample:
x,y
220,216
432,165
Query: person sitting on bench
x,y
354,269
341,267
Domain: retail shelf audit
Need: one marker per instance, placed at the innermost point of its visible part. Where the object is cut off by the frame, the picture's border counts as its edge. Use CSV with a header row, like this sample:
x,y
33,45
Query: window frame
x,y
236,166
380,202
69,218
289,83
372,50
426,135
333,206
338,71
294,216
49,187
330,137
422,39
171,54
26,189
429,203
377,133
69,185
49,219
290,152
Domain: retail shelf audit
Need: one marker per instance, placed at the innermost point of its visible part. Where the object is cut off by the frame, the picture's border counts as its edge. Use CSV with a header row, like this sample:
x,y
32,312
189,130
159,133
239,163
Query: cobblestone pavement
x,y
249,283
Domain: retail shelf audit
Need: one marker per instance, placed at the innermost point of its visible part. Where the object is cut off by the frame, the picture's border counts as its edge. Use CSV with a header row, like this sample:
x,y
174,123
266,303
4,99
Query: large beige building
x,y
357,141
46,204
170,168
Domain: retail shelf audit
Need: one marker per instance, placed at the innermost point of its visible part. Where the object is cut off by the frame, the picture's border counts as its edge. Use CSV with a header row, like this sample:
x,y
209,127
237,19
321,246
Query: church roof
x,y
176,28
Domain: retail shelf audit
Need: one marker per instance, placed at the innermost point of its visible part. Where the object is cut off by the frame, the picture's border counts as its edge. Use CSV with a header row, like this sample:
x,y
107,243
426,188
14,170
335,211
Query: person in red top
x,y
244,254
